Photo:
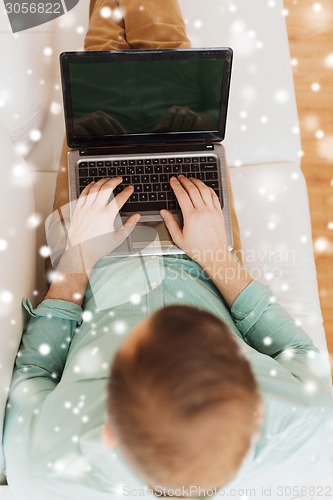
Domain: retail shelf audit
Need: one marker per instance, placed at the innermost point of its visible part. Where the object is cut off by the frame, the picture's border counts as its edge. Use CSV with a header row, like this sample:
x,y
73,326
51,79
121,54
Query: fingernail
x,y
180,175
163,212
172,178
137,218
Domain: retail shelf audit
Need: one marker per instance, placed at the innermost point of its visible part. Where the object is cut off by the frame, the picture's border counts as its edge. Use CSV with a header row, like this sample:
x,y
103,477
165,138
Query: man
x,y
193,378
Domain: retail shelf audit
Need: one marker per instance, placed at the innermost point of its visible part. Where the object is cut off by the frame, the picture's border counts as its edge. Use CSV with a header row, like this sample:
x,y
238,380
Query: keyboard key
x,y
162,196
86,181
136,179
83,164
187,159
139,162
158,169
171,195
167,169
116,163
139,170
134,197
100,163
146,188
200,176
164,161
145,179
93,172
208,166
83,172
186,168
124,163
171,160
127,179
203,159
166,186
149,169
163,178
213,184
143,197
131,162
112,172
121,171
212,159
102,172
156,161
148,162
130,171
195,167
179,160
152,196
108,164
195,159
211,175
150,206
154,178
156,187
137,188
92,164
118,189
177,169
173,205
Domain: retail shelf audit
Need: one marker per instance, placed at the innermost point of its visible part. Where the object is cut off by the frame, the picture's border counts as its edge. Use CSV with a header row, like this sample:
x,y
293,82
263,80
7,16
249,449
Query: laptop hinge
x,y
142,149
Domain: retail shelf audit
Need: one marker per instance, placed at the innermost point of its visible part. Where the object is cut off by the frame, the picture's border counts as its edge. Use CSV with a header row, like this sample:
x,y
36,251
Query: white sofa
x,y
263,151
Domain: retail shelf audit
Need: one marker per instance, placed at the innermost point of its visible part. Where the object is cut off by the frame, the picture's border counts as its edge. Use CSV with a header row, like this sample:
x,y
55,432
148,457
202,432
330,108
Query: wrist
x,y
212,260
70,287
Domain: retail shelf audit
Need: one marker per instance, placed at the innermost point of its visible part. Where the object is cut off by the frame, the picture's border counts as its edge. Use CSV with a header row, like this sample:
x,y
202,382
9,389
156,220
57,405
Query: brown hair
x,y
183,404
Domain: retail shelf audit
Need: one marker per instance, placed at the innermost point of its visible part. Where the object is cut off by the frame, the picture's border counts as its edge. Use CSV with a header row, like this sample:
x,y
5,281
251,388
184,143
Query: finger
x,y
216,201
105,193
119,201
93,126
127,228
198,124
203,190
107,126
178,119
166,121
183,198
119,129
191,190
172,226
94,190
83,196
189,121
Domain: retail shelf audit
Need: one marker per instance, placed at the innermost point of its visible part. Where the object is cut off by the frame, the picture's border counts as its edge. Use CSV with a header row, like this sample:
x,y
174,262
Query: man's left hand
x,y
93,225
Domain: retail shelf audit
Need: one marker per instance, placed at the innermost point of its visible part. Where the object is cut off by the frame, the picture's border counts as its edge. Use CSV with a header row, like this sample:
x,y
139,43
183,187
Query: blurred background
x,y
310,31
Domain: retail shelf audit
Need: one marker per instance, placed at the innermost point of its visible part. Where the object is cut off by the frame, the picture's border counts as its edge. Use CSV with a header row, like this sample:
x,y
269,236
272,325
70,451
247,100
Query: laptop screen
x,y
133,97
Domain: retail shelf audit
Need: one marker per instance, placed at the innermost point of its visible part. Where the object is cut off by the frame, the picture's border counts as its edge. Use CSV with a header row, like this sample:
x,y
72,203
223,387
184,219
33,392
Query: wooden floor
x,y
310,30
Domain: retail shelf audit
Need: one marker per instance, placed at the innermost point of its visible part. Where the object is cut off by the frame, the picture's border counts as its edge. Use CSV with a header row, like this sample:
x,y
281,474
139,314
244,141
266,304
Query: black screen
x,y
145,97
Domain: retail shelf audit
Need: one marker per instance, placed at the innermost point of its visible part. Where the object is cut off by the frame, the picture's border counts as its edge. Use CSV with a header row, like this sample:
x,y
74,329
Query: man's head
x,y
182,401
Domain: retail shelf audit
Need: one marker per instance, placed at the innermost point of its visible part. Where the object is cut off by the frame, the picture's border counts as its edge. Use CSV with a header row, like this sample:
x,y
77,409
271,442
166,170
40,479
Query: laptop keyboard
x,y
150,178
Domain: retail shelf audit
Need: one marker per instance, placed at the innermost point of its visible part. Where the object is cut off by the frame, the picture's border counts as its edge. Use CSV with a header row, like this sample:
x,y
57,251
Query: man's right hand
x,y
203,236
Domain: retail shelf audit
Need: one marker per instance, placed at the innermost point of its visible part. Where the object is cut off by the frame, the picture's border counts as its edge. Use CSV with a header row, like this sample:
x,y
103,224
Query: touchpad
x,y
151,234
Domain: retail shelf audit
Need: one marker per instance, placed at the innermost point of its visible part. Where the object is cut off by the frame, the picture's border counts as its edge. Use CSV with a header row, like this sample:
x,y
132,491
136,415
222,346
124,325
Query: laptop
x,y
147,115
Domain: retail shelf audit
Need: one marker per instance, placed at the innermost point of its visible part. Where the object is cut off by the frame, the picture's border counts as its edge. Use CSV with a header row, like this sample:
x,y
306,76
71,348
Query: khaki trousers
x,y
133,24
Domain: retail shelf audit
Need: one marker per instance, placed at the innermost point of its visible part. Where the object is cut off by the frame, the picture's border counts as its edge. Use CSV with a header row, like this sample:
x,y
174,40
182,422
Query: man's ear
x,y
108,437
